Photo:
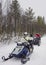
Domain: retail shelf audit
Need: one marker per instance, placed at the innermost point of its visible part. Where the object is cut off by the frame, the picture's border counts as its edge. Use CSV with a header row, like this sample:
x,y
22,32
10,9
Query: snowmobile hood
x,y
18,49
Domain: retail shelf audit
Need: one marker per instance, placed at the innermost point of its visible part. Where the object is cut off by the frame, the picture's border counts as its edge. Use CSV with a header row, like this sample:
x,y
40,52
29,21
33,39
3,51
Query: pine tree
x,y
15,13
29,19
0,18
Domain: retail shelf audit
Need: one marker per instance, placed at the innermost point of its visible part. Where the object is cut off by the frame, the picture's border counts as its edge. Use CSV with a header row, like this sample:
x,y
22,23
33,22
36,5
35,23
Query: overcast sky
x,y
39,6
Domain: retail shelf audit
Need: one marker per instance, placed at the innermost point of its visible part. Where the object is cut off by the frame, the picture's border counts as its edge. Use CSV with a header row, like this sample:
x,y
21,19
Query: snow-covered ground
x,y
38,57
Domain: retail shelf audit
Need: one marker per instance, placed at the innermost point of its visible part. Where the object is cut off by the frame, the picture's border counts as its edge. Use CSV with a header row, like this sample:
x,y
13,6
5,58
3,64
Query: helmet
x,y
37,35
25,33
31,35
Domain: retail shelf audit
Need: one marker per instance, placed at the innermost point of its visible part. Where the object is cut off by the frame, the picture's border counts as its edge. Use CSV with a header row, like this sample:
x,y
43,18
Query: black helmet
x,y
31,35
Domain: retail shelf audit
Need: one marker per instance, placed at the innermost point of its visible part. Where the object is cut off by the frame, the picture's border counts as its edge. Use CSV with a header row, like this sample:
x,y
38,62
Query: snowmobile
x,y
21,51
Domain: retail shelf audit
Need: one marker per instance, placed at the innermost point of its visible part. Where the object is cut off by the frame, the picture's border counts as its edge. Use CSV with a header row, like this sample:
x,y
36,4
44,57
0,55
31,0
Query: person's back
x,y
28,38
37,39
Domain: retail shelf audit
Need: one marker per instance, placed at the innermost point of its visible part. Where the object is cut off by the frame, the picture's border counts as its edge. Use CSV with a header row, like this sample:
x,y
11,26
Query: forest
x,y
18,21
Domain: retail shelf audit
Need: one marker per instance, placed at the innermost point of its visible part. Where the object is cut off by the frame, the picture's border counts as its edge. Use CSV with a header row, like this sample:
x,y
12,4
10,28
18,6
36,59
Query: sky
x,y
38,6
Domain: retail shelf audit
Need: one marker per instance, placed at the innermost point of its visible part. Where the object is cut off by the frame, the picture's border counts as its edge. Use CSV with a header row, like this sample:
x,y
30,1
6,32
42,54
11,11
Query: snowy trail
x,y
38,57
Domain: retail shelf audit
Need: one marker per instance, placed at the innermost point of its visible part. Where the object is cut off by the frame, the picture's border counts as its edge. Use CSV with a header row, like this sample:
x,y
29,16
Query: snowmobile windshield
x,y
18,49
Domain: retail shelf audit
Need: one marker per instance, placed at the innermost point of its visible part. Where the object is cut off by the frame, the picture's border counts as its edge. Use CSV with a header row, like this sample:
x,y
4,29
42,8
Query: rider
x,y
37,39
28,39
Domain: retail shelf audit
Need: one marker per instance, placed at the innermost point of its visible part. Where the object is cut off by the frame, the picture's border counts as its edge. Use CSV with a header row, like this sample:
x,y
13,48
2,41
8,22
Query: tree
x,y
40,20
0,18
40,24
29,19
15,7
